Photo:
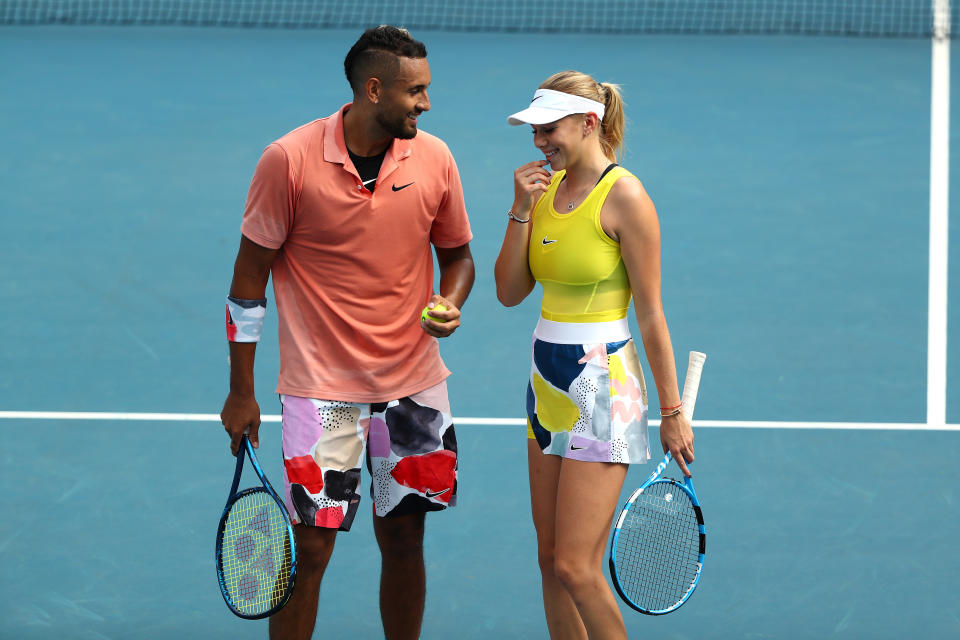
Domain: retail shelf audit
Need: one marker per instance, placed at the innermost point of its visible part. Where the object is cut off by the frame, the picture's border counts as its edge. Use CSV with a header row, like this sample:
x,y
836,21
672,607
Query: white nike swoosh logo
x,y
546,242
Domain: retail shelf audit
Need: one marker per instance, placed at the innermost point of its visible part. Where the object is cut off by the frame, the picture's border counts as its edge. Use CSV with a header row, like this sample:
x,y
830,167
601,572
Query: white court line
x,y
939,215
495,422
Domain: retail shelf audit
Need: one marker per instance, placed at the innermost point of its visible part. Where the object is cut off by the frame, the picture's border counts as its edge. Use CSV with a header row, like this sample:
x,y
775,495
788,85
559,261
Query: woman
x,y
589,234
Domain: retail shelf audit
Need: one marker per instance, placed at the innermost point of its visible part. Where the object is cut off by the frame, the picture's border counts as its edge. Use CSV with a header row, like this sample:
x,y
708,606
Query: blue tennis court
x,y
792,178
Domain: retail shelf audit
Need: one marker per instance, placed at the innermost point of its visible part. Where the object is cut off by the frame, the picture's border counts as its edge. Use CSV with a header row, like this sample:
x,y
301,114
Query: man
x,y
343,212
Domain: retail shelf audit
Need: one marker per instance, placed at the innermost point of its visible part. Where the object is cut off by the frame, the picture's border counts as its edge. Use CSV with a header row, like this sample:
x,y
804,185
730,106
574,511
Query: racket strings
x,y
255,554
658,548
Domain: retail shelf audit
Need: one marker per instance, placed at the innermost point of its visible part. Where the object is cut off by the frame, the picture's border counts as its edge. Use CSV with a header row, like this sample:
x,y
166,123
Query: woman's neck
x,y
586,171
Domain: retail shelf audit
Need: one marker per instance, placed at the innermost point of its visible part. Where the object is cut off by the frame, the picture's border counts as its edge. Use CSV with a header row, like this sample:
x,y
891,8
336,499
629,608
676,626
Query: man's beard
x,y
396,128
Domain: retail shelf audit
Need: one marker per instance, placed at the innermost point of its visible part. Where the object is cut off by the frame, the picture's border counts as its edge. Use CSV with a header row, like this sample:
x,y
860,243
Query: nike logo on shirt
x,y
545,241
396,188
434,494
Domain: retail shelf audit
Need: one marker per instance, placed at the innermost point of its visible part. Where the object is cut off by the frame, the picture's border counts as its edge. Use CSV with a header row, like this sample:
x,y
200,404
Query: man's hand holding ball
x,y
440,317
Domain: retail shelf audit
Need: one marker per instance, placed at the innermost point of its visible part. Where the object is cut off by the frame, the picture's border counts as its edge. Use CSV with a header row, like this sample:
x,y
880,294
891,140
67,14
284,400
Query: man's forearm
x,y
241,366
457,273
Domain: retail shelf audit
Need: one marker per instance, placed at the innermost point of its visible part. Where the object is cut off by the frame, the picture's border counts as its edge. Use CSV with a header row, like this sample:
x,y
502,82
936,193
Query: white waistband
x,y
581,332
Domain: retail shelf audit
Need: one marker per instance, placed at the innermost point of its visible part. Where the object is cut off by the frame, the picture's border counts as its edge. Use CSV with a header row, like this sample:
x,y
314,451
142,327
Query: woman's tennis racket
x,y
256,555
659,541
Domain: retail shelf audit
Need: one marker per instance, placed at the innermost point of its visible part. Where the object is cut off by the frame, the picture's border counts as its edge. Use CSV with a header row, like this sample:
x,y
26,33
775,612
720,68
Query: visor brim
x,y
537,115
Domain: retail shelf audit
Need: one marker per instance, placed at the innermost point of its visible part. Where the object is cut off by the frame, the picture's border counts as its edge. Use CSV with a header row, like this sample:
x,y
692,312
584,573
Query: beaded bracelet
x,y
669,412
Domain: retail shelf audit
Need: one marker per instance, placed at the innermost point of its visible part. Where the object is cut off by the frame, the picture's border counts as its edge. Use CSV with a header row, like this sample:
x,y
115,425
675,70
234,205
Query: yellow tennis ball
x,y
437,307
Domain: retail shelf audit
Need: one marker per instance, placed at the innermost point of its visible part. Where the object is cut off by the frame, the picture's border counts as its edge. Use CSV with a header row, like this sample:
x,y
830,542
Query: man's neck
x,y
361,133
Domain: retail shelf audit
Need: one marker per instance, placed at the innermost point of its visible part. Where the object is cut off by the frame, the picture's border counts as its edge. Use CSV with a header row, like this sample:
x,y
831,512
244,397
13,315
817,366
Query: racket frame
x,y
690,387
686,487
246,446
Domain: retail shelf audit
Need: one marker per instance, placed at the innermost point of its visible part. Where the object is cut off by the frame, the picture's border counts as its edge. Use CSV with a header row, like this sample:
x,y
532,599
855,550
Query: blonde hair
x,y
580,84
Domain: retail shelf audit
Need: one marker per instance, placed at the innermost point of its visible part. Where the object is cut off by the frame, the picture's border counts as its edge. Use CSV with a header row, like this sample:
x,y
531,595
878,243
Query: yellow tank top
x,y
576,262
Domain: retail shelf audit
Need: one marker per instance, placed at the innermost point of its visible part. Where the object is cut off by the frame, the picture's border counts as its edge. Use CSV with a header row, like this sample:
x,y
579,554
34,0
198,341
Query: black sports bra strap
x,y
610,168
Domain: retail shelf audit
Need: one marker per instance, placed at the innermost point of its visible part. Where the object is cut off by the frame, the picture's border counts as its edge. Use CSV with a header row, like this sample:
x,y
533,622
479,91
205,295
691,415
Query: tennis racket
x,y
659,540
256,555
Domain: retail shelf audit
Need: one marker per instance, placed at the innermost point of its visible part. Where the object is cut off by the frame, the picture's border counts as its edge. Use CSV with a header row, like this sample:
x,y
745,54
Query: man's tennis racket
x,y
659,542
256,555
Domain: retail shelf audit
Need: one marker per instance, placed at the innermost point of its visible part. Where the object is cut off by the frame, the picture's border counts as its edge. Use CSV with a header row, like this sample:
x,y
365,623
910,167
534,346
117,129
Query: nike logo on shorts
x,y
396,188
434,494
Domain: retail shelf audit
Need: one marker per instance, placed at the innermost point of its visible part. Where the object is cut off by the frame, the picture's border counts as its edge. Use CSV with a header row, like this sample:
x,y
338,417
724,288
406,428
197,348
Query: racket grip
x,y
692,383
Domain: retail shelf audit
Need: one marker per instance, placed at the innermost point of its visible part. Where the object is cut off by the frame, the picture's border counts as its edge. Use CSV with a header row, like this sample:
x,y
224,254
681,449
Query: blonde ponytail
x,y
613,126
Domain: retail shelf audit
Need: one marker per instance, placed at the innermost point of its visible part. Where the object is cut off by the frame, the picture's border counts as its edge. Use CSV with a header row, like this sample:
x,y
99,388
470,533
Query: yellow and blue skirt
x,y
586,400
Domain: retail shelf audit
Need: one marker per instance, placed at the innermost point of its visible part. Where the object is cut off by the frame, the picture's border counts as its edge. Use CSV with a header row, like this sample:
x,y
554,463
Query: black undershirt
x,y
368,168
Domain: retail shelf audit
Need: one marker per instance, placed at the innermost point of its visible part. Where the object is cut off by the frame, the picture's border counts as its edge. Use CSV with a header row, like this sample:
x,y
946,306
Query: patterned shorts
x,y
588,401
409,446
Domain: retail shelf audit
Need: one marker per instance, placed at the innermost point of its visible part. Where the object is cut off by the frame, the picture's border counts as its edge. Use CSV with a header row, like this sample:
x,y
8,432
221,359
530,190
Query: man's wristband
x,y
245,319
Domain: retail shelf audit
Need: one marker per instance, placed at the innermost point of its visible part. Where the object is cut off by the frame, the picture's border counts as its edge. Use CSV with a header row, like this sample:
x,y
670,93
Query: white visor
x,y
549,106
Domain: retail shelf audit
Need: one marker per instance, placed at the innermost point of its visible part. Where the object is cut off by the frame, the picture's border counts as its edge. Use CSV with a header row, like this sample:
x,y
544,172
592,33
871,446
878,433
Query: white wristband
x,y
245,319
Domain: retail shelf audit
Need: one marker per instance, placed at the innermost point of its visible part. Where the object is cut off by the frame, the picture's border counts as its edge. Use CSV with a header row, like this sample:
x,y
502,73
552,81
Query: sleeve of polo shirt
x,y
451,227
268,214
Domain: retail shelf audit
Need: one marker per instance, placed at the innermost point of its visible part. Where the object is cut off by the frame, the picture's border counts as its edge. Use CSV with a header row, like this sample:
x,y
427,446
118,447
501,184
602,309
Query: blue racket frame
x,y
231,499
686,487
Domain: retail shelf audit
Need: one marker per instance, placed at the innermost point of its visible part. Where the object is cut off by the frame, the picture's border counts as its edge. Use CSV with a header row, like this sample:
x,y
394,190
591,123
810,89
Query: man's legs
x,y
323,449
412,457
402,574
296,620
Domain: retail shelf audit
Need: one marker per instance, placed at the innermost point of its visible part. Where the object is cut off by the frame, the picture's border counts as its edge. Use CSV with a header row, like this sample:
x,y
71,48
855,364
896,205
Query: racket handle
x,y
692,384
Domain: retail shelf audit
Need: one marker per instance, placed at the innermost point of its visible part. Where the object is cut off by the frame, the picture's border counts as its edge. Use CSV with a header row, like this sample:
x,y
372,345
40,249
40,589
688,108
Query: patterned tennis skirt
x,y
588,401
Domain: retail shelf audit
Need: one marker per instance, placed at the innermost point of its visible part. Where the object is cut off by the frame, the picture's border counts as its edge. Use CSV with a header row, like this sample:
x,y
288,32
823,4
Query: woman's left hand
x,y
676,436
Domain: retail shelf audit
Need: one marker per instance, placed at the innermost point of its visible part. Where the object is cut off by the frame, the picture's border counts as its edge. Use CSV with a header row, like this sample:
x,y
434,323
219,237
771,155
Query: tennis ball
x,y
437,307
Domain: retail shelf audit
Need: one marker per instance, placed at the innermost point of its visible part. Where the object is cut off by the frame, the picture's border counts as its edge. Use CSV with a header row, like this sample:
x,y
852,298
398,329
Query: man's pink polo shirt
x,y
355,268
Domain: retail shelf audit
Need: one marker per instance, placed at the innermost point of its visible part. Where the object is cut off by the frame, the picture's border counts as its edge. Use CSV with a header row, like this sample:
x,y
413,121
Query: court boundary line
x,y
490,422
939,244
